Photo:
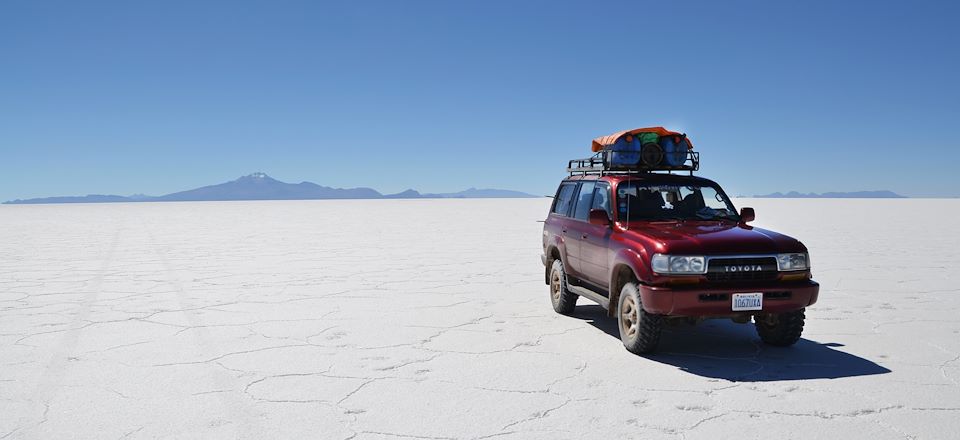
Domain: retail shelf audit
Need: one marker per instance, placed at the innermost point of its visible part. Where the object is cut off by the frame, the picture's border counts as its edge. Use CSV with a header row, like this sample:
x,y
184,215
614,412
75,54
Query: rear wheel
x,y
563,301
639,330
781,330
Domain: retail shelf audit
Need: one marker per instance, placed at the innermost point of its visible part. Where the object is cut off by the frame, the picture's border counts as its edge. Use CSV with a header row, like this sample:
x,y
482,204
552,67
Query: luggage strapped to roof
x,y
642,150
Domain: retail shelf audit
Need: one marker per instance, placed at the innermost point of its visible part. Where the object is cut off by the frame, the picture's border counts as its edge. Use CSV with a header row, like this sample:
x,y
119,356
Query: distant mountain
x,y
471,193
835,195
259,186
408,194
90,198
484,193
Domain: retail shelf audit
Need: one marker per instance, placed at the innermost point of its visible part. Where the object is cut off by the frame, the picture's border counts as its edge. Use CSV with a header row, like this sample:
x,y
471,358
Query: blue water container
x,y
674,150
625,154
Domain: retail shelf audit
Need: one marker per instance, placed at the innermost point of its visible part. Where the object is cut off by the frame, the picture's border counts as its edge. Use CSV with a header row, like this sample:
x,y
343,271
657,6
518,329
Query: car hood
x,y
713,238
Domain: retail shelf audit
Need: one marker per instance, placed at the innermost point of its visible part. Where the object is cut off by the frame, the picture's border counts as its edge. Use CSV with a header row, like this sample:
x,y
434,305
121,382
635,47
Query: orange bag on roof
x,y
607,141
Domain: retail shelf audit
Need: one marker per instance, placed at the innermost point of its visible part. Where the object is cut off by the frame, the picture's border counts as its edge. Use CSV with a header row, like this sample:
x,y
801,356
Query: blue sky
x,y
155,97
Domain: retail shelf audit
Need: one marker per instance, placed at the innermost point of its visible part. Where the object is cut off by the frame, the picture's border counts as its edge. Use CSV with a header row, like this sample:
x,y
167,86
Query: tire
x,y
783,331
563,301
639,330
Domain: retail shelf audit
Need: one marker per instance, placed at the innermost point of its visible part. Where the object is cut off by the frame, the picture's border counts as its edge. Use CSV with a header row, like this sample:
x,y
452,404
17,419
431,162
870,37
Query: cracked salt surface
x,y
429,319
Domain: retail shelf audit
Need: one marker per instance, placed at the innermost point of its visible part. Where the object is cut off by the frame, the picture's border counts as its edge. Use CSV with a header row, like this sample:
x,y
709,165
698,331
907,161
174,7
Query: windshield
x,y
649,201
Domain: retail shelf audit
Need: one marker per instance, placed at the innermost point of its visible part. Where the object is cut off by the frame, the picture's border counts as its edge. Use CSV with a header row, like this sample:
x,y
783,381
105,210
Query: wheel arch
x,y
622,274
627,266
553,254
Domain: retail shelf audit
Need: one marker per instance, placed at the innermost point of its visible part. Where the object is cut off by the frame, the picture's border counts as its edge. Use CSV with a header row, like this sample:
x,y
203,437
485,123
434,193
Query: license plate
x,y
747,301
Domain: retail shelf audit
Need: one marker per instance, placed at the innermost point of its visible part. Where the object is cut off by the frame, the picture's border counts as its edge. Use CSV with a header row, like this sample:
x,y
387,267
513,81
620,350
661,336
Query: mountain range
x,y
883,194
259,186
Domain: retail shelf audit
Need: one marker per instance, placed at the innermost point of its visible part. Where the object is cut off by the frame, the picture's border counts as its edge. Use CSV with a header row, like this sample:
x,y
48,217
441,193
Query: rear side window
x,y
584,200
561,204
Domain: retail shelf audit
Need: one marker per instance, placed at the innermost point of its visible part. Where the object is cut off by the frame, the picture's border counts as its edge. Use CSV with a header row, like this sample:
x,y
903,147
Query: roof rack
x,y
602,164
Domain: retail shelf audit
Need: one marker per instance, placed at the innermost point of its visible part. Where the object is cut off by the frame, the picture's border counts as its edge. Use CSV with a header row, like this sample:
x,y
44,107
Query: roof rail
x,y
602,164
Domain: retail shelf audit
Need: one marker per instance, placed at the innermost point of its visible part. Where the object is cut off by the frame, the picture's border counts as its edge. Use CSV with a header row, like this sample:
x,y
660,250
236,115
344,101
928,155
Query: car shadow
x,y
722,349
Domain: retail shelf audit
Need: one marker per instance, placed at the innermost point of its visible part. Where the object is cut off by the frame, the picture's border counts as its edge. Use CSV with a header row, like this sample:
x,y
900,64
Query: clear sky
x,y
154,97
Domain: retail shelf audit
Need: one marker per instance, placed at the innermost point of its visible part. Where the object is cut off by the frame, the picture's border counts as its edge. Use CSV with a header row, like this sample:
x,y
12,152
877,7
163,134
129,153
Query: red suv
x,y
654,247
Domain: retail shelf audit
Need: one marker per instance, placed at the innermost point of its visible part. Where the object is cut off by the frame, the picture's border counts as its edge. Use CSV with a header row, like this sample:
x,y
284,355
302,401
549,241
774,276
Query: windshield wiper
x,y
716,216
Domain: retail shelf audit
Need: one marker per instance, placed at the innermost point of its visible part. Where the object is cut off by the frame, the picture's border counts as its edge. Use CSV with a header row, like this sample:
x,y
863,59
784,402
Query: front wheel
x,y
563,300
781,330
639,330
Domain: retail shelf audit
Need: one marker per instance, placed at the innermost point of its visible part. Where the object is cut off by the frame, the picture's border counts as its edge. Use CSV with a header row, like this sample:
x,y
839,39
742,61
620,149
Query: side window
x,y
601,199
584,200
564,198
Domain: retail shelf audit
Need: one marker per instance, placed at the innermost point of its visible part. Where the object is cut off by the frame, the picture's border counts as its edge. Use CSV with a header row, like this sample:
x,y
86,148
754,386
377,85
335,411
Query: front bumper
x,y
718,301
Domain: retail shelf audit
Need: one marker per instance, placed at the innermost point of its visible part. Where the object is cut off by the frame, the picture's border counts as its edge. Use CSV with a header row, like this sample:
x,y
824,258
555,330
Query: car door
x,y
579,227
558,222
594,242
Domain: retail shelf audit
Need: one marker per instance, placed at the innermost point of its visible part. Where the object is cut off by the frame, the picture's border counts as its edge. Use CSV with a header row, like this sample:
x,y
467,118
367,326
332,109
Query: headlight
x,y
793,262
670,264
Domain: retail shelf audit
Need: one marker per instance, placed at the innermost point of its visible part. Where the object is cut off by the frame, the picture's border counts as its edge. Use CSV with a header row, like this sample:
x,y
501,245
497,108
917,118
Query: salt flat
x,y
430,319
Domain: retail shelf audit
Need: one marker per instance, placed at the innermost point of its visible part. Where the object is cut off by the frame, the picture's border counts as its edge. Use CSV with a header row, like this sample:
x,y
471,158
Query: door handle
x,y
564,230
583,236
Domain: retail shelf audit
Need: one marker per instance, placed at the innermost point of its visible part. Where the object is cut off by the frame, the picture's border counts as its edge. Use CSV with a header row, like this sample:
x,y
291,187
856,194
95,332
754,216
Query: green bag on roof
x,y
648,137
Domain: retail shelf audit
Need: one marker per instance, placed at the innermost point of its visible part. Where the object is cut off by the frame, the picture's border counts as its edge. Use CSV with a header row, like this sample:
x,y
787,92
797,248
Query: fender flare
x,y
636,262
556,243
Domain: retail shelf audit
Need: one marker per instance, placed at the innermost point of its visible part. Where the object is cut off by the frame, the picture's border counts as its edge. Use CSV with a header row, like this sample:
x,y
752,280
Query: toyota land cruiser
x,y
654,247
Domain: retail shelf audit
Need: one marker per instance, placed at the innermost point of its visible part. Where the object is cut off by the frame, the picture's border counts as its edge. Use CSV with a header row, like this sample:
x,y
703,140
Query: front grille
x,y
742,269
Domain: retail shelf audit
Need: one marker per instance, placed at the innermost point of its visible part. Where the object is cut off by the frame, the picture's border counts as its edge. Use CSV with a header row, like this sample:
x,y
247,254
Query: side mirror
x,y
599,217
747,215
